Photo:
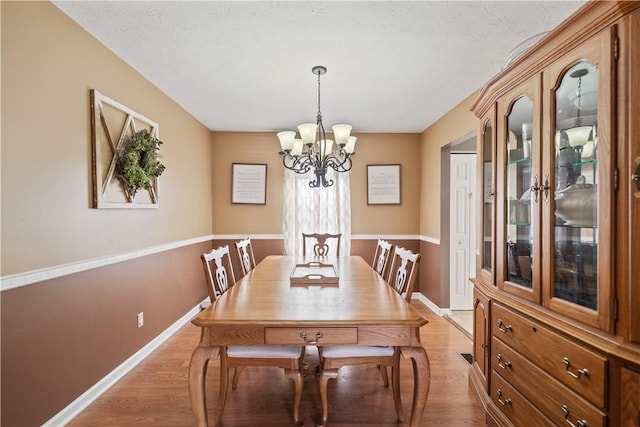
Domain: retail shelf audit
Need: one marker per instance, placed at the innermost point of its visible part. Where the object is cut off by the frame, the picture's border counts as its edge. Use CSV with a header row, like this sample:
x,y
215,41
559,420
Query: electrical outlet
x,y
140,319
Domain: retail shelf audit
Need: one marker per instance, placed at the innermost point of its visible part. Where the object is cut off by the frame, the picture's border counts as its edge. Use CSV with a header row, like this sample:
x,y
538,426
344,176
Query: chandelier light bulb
x,y
286,139
308,132
351,145
297,147
325,148
341,134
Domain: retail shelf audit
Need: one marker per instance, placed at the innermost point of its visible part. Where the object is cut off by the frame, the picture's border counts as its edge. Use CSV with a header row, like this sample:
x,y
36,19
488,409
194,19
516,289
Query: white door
x,y
462,222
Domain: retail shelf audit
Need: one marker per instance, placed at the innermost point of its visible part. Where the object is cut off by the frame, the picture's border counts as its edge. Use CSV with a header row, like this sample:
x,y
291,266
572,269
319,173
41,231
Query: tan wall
x,y
61,336
49,64
245,147
450,127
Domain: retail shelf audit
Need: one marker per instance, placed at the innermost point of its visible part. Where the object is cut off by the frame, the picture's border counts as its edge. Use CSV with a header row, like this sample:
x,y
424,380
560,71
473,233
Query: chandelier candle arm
x,y
321,153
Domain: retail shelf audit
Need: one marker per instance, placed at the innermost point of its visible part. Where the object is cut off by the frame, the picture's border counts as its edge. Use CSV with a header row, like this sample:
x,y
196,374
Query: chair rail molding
x,y
30,277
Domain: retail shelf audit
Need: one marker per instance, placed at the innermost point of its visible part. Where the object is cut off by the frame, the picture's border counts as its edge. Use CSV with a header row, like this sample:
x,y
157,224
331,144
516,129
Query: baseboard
x,y
84,400
430,304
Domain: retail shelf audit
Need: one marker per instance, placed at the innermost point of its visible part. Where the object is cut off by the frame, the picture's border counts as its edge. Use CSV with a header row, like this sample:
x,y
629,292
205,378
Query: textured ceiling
x,y
246,66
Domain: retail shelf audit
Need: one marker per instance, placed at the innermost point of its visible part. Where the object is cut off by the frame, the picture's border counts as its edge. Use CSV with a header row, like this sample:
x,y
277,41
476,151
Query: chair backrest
x,y
381,257
218,271
404,271
245,254
320,246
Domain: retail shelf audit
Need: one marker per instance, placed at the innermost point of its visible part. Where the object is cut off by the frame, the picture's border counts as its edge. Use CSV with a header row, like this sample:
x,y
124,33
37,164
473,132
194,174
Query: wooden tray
x,y
314,273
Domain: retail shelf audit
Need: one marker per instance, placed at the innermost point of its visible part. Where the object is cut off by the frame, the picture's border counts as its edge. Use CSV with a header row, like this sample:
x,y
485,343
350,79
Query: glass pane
x,y
576,187
488,192
518,196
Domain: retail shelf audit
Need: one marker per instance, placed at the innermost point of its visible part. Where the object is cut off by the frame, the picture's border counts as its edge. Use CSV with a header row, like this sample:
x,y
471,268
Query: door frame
x,y
470,236
466,143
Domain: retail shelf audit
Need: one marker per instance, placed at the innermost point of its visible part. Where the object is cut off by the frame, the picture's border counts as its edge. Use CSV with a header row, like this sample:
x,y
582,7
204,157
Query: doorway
x,y
462,229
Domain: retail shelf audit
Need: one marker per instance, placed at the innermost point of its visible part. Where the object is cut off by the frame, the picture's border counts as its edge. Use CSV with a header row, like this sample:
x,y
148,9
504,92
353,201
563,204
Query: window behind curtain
x,y
316,210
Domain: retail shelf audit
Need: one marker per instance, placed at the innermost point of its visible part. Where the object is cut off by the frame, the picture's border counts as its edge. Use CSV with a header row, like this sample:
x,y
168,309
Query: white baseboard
x,y
430,304
85,399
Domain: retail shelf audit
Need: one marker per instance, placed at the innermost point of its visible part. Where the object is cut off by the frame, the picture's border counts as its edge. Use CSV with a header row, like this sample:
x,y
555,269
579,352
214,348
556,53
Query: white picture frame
x,y
383,185
249,183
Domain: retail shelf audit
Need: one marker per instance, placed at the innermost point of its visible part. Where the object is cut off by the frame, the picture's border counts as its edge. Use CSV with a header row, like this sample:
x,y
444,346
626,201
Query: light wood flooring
x,y
155,393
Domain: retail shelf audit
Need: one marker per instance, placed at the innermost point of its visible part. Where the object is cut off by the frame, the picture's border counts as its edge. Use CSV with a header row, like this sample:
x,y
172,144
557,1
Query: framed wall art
x,y
249,183
115,131
383,185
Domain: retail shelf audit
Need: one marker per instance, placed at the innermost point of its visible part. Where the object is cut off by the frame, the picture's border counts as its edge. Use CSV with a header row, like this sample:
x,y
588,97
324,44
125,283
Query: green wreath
x,y
137,163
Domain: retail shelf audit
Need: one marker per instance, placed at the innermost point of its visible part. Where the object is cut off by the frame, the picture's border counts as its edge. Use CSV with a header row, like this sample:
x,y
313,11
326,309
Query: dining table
x,y
276,304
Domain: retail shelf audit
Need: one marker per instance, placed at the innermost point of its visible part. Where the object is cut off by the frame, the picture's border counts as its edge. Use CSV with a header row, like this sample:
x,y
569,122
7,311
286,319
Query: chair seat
x,y
356,351
264,351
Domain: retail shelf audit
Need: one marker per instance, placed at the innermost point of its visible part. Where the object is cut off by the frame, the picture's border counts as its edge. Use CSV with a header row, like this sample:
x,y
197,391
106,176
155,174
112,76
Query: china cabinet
x,y
557,294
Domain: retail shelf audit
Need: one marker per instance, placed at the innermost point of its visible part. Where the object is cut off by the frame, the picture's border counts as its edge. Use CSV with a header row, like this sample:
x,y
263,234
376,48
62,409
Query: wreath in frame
x,y
138,164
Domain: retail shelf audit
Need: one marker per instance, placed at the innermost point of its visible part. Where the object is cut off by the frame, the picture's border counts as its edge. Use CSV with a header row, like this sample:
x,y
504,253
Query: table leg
x,y
421,381
197,372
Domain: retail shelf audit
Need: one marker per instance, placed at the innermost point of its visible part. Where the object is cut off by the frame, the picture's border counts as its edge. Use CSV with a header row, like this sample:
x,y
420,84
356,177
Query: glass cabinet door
x,y
577,186
487,219
519,238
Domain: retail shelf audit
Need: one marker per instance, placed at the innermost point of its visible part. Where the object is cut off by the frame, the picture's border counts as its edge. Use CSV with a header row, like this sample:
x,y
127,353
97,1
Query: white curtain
x,y
316,210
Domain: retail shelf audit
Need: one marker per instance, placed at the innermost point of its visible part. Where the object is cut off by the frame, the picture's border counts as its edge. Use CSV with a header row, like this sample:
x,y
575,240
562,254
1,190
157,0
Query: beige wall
x,y
84,322
61,336
244,147
49,64
455,124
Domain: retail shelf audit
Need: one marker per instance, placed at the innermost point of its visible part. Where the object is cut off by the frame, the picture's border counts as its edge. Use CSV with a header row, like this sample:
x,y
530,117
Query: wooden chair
x,y
381,257
245,255
220,278
402,277
320,246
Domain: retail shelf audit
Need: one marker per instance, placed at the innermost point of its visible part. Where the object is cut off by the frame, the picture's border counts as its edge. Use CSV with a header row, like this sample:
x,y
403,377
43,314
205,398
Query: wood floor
x,y
155,393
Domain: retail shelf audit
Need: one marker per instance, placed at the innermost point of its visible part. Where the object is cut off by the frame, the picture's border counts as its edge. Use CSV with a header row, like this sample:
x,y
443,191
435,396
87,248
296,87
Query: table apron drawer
x,y
310,336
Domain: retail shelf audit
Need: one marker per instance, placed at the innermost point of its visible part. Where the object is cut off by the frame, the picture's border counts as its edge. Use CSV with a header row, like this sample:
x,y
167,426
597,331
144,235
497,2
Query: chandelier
x,y
320,153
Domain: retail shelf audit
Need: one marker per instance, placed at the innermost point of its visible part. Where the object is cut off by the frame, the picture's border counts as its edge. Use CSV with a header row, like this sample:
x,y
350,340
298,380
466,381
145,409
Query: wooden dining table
x,y
266,308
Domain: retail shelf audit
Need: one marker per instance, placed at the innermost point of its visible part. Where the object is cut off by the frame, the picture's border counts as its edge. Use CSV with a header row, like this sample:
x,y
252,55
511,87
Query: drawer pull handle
x,y
581,372
579,423
504,365
504,329
503,402
303,335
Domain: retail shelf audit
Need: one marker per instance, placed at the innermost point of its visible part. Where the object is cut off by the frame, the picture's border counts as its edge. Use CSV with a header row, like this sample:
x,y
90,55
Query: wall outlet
x,y
140,319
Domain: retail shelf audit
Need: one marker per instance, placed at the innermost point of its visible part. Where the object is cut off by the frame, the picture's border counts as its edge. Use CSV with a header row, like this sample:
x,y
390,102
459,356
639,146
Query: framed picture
x,y
249,184
383,184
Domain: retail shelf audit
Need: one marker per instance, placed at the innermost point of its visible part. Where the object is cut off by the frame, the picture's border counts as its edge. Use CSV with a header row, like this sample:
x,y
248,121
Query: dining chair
x,y
245,255
402,277
381,257
220,278
320,245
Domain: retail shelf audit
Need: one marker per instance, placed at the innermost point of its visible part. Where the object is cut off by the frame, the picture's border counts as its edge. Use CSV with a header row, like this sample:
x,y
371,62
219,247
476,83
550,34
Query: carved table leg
x,y
421,381
197,371
296,376
395,384
325,375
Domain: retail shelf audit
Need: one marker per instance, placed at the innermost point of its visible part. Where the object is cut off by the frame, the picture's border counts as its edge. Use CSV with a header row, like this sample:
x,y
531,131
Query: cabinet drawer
x,y
556,401
310,336
574,366
518,409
